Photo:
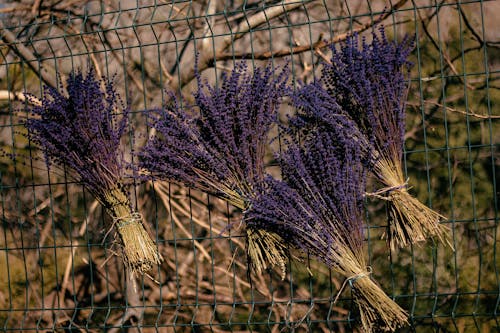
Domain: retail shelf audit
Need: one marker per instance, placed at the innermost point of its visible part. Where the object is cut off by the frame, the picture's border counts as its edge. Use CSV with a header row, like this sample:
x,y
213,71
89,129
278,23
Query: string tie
x,y
379,194
351,280
123,221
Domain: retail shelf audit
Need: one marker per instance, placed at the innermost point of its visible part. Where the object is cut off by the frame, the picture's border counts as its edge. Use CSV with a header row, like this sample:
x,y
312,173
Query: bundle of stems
x,y
370,84
81,134
219,146
318,208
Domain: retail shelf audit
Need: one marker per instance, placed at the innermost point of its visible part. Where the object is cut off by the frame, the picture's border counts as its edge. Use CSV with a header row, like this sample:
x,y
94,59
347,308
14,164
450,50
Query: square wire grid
x,y
58,271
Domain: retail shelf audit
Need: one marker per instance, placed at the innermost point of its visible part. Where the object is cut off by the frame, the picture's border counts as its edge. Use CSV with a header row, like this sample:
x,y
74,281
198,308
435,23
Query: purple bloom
x,y
220,149
370,83
236,118
175,150
361,99
82,132
318,206
318,111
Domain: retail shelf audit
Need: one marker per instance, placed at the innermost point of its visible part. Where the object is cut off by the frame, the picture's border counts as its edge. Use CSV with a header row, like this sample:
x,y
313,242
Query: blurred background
x,y
58,271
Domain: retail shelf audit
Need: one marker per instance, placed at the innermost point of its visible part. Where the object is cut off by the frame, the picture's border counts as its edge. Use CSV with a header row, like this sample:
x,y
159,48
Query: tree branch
x,y
470,114
134,307
315,46
206,59
18,96
45,72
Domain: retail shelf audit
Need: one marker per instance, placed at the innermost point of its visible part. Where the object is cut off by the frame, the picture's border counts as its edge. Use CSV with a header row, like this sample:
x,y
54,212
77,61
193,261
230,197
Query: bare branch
x,y
133,305
260,18
470,114
315,46
14,9
18,96
445,55
206,58
45,72
36,7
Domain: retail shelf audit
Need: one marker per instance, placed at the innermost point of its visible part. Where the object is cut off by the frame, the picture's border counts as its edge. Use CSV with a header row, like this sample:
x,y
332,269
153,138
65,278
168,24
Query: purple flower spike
x,y
221,148
318,208
368,84
235,120
320,200
318,111
81,133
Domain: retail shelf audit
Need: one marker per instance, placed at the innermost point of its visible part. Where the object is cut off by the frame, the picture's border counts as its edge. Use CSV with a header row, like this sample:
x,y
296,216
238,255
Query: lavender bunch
x,y
318,208
318,111
221,148
81,133
370,84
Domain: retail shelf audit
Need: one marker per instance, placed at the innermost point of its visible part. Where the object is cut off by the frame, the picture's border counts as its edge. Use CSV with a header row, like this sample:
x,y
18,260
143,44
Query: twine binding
x,y
388,189
351,280
140,253
123,221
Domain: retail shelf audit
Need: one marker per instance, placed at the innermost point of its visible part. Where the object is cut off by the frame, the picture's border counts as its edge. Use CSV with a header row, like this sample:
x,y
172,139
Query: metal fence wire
x,y
59,271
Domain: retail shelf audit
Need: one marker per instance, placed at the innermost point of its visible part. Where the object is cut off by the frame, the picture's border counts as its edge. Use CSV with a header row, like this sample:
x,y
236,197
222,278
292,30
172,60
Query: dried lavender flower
x,y
318,208
370,84
220,149
317,111
81,133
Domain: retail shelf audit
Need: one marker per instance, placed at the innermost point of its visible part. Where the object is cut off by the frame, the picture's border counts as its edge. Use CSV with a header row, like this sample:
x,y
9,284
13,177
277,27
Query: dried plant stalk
x,y
266,248
318,208
377,311
219,147
140,253
81,134
410,221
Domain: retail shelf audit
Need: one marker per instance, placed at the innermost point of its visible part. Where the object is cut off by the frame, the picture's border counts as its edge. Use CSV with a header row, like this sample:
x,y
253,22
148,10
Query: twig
x,y
67,271
46,72
212,8
206,58
132,308
289,323
189,235
470,114
260,18
36,7
14,9
444,54
19,96
130,74
47,202
315,46
162,187
471,28
166,203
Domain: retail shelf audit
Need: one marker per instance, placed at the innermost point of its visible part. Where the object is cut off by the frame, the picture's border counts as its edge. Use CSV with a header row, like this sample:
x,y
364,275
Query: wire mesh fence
x,y
60,269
